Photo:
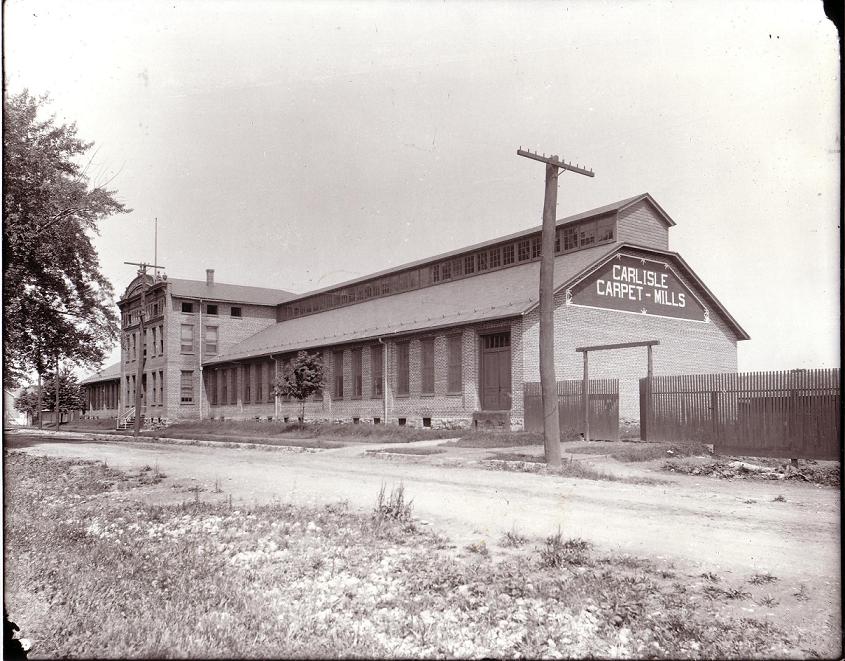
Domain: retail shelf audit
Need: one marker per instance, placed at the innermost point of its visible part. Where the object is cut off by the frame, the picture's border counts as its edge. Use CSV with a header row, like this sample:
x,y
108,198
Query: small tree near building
x,y
301,378
71,397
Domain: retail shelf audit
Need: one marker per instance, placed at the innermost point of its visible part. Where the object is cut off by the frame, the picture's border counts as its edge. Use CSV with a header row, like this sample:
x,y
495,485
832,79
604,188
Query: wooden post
x,y
585,394
548,380
40,402
57,417
139,387
649,383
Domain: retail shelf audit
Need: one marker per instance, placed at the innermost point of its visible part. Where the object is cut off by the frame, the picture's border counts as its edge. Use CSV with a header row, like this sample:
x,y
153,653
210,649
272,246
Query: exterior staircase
x,y
127,419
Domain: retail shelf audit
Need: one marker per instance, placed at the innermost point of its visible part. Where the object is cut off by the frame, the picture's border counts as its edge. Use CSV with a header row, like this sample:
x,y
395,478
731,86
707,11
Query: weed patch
x,y
556,552
87,572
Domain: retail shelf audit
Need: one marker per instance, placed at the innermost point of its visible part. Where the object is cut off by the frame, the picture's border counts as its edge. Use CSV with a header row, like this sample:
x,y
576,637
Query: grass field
x,y
88,575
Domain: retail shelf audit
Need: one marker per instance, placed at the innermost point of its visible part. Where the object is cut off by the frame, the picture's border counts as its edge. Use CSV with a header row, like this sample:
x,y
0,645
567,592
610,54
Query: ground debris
x,y
824,475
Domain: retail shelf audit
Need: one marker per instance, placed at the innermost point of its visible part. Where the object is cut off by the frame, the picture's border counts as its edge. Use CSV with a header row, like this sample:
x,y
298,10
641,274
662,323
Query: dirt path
x,y
704,523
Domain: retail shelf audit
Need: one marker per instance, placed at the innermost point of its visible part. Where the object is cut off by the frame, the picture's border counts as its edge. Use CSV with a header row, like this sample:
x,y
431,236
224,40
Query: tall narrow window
x,y
134,353
271,378
455,377
161,340
376,371
536,247
211,386
469,264
161,387
524,250
435,273
570,238
154,392
144,340
247,374
259,382
427,366
187,387
233,385
482,261
338,374
211,339
495,258
187,338
507,254
357,373
223,383
403,376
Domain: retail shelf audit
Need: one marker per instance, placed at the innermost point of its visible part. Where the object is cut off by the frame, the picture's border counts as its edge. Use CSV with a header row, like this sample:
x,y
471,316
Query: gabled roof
x,y
599,211
495,295
621,205
222,292
106,374
715,303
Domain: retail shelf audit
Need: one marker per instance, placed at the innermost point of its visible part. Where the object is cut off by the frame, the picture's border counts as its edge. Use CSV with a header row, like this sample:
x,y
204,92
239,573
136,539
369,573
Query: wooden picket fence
x,y
793,414
604,408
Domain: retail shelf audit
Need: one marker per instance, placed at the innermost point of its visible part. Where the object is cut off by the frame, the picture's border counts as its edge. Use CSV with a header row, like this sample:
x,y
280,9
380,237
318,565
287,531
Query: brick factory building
x,y
438,342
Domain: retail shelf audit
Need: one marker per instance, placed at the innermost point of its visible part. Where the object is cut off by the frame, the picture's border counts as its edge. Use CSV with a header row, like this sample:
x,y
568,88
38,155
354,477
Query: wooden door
x,y
496,372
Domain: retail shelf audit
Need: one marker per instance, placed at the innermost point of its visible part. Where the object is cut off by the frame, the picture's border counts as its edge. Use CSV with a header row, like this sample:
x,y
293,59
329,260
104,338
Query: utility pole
x,y
141,343
548,381
58,413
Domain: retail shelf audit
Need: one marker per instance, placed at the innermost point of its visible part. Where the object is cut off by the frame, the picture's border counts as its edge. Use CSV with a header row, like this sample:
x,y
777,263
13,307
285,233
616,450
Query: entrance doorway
x,y
496,372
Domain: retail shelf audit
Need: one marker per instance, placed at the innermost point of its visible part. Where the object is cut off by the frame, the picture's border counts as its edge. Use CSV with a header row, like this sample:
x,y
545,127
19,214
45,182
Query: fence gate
x,y
604,408
766,414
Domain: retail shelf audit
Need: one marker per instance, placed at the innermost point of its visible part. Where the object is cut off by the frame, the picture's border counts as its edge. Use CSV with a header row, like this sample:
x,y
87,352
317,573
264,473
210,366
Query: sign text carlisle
x,y
634,284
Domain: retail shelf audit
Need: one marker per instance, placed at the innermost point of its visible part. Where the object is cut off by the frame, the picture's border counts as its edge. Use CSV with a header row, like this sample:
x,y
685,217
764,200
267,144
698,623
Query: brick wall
x,y
444,408
230,331
642,225
686,347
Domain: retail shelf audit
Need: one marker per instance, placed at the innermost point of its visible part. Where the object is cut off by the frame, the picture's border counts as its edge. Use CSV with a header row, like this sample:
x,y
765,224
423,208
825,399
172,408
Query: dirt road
x,y
702,522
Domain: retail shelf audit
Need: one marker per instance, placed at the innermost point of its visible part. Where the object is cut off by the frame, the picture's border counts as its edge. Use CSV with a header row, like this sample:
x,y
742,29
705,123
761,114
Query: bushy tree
x,y
300,379
56,301
71,396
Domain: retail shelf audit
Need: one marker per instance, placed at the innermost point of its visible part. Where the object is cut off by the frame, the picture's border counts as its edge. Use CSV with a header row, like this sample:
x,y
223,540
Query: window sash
x,y
427,366
187,338
211,339
455,369
187,388
403,380
377,369
338,375
357,373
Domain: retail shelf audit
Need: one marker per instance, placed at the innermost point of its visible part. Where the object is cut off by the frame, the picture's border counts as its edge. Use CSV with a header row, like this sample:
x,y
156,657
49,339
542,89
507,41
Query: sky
x,y
296,145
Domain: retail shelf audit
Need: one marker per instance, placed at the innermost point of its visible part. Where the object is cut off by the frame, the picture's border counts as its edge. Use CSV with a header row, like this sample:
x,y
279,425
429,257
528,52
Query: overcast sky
x,y
295,145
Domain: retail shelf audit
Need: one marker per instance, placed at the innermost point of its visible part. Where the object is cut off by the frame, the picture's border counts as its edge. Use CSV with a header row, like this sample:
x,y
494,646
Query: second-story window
x,y
211,339
210,309
187,307
187,338
236,311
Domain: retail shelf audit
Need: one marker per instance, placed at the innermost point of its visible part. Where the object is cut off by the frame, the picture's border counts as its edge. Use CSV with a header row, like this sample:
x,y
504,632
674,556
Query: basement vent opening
x,y
426,422
402,422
